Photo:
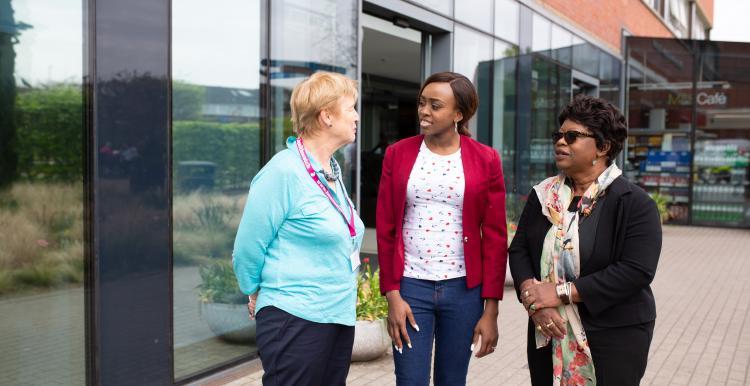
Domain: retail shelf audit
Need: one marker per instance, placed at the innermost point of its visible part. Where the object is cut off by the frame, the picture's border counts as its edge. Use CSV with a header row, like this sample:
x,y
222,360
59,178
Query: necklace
x,y
335,172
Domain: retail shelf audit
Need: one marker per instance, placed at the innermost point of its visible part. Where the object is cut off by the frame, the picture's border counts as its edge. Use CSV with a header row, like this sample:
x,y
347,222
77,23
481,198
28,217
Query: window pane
x,y
308,36
216,152
477,13
472,58
506,20
442,6
562,44
660,119
540,40
504,119
41,193
585,57
721,167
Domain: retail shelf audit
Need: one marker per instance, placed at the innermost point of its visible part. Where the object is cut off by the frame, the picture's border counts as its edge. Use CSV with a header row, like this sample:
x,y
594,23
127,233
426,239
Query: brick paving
x,y
702,334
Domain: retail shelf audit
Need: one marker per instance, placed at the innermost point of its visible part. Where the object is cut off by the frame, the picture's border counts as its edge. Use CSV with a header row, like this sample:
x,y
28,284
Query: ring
x,y
548,325
539,327
532,307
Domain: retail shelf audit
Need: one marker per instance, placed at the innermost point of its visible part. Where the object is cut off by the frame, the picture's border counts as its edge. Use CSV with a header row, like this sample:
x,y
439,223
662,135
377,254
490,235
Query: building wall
x,y
707,7
606,19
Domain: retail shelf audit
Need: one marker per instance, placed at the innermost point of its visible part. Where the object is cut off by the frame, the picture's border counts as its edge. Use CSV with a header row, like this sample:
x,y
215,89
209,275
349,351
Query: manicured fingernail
x,y
409,344
401,350
416,327
472,347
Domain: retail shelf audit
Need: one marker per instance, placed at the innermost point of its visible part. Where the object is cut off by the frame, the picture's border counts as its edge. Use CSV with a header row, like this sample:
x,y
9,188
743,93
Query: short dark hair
x,y
604,120
464,92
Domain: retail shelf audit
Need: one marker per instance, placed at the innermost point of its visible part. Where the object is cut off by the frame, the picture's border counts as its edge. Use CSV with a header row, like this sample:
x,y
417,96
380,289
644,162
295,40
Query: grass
x,y
41,245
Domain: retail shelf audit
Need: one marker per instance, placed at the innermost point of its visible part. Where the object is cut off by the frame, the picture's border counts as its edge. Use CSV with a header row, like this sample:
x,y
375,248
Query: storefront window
x,y
216,152
721,167
307,36
41,192
562,44
476,13
660,121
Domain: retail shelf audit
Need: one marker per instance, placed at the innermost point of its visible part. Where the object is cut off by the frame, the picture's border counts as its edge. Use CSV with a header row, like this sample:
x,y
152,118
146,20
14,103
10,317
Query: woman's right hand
x,y
398,312
251,305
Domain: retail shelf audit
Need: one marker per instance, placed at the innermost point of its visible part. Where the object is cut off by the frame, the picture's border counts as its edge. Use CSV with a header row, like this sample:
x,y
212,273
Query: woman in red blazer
x,y
442,238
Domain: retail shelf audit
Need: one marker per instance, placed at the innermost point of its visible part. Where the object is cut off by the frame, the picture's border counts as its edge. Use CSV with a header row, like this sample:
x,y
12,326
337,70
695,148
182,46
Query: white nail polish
x,y
472,347
409,344
401,350
416,327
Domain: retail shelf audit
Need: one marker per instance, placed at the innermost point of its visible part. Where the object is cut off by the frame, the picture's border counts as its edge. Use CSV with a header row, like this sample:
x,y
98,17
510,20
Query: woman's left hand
x,y
487,329
541,295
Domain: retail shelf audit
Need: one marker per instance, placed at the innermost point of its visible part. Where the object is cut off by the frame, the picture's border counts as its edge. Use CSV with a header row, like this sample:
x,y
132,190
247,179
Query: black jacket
x,y
614,281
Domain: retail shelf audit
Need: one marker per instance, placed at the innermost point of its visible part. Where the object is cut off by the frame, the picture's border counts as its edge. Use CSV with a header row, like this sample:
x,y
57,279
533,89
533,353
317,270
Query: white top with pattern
x,y
432,232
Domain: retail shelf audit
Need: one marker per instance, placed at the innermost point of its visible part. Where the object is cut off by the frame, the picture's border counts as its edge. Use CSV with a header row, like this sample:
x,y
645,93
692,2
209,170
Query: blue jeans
x,y
446,313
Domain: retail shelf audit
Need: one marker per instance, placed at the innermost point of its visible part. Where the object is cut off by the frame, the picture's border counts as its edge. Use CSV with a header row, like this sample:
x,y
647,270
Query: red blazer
x,y
485,234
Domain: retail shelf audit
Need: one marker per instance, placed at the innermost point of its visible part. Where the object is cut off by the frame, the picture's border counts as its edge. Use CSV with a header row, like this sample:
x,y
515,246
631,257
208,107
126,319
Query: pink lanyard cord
x,y
314,176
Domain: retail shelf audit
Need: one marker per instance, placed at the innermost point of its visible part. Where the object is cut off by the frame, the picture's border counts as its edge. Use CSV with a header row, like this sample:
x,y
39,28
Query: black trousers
x,y
295,351
620,355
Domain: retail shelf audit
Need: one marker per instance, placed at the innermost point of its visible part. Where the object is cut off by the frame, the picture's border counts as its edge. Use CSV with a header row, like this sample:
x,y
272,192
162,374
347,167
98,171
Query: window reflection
x,y
309,36
477,13
216,152
41,193
506,20
471,49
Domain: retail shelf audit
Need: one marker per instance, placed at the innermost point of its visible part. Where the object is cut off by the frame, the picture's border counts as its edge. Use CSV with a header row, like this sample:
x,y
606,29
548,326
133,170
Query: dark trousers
x,y
295,351
620,355
446,313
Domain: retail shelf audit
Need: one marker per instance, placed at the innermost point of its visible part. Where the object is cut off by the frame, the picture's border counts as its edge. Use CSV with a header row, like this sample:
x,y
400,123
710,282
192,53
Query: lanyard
x,y
314,176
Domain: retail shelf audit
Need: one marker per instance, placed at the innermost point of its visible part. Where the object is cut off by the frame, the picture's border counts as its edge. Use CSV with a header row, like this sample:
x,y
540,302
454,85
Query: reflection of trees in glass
x,y
50,128
8,160
187,100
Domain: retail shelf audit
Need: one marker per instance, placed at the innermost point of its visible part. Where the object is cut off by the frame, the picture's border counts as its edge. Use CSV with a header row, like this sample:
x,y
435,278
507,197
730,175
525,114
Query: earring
x,y
593,163
455,125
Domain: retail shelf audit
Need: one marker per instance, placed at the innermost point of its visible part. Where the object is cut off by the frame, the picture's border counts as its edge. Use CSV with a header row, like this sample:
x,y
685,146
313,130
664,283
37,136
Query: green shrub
x,y
371,305
661,205
233,147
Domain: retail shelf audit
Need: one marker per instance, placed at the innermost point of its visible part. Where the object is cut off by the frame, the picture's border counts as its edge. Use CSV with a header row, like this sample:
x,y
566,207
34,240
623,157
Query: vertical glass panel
x,y
477,13
41,193
216,152
504,120
540,40
562,44
506,20
471,49
550,91
443,6
610,68
660,121
585,57
721,167
308,36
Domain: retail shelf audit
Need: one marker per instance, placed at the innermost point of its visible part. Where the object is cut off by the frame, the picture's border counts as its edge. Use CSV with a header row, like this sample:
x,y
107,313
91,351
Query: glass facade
x,y
42,156
689,141
216,145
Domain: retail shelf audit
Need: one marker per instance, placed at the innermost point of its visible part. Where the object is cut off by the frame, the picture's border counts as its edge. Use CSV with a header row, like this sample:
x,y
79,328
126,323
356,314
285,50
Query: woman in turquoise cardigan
x,y
297,248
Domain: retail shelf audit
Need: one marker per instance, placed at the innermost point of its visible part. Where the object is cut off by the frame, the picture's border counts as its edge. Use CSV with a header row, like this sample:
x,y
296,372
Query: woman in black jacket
x,y
584,255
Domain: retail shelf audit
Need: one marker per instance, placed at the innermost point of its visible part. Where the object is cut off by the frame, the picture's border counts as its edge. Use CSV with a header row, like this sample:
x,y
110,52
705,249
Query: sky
x,y
730,20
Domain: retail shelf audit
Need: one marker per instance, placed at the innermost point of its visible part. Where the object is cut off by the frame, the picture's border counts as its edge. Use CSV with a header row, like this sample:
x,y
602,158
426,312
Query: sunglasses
x,y
570,136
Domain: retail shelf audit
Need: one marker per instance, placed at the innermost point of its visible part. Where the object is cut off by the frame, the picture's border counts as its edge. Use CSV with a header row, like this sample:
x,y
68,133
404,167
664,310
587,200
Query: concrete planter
x,y
229,321
371,340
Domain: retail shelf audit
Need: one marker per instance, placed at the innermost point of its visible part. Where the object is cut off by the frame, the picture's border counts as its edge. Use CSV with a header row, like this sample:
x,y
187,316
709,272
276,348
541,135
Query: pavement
x,y
702,333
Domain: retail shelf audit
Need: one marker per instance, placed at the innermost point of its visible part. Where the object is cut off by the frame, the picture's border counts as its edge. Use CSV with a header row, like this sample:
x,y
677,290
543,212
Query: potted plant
x,y
223,305
371,338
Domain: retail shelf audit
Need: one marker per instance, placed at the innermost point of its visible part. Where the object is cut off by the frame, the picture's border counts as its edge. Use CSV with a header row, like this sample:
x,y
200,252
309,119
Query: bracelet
x,y
563,292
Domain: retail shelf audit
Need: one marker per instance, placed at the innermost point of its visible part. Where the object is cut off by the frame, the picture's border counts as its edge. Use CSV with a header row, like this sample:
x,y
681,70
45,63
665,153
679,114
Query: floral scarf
x,y
560,262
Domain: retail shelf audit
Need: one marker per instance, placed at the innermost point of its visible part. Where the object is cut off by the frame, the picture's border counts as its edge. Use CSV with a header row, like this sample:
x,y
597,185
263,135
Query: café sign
x,y
703,98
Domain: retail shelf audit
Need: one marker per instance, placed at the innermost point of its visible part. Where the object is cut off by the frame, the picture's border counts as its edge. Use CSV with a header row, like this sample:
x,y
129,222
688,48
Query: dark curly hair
x,y
465,93
604,120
